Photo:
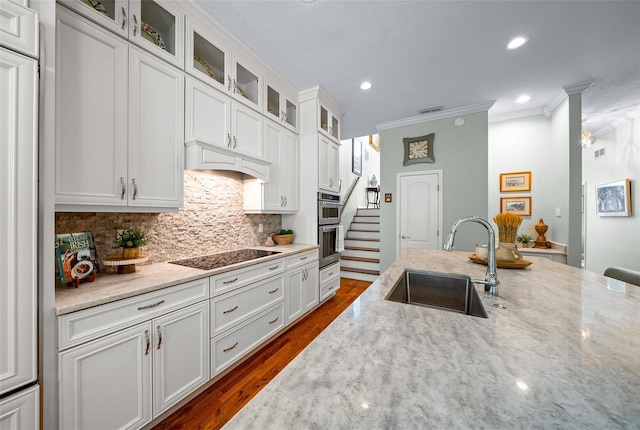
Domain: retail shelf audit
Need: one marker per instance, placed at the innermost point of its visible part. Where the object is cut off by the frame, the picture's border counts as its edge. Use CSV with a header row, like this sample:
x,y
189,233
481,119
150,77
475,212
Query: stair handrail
x,y
353,186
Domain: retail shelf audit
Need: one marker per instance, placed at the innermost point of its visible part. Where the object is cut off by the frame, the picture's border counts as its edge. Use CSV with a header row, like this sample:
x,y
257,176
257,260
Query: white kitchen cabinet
x,y
329,122
155,25
18,220
329,281
21,410
281,103
328,164
246,81
247,130
280,193
125,379
302,290
208,56
120,122
19,28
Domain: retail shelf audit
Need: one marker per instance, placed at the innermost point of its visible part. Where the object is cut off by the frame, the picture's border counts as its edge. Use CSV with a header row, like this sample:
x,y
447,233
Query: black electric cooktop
x,y
214,261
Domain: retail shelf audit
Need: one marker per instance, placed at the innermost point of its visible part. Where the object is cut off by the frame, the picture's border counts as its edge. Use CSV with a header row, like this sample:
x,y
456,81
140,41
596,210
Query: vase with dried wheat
x,y
508,224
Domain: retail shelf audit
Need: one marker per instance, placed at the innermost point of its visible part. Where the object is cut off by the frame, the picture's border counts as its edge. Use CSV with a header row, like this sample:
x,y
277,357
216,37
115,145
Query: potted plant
x,y
524,240
130,240
284,237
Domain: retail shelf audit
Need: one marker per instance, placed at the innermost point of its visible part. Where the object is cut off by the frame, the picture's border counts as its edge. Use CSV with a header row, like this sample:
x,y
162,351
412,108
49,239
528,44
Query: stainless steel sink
x,y
446,291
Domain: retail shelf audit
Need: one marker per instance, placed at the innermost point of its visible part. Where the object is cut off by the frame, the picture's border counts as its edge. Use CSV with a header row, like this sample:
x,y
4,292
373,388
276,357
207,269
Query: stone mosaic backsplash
x,y
212,220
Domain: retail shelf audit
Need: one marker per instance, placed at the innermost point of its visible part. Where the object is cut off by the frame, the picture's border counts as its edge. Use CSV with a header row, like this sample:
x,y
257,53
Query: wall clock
x,y
418,149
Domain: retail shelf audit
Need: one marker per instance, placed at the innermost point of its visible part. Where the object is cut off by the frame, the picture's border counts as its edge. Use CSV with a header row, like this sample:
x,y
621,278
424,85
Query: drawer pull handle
x,y
230,310
331,288
274,267
146,335
159,337
330,273
271,322
230,348
303,258
273,291
230,281
151,306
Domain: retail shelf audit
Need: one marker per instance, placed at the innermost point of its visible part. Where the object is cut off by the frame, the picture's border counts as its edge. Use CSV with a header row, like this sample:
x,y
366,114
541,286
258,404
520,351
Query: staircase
x,y
361,256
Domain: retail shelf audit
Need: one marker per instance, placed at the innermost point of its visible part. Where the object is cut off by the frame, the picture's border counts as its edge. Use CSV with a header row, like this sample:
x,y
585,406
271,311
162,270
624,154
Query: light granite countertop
x,y
111,287
563,353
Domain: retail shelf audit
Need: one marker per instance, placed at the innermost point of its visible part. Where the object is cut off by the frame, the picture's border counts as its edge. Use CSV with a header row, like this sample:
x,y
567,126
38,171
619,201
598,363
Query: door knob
x,y
406,237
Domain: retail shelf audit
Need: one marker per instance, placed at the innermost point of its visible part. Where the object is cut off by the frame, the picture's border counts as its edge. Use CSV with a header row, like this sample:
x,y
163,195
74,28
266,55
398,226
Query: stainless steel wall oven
x,y
329,208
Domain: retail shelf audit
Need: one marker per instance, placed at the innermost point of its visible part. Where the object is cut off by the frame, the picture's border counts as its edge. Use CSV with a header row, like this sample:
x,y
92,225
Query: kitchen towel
x,y
340,241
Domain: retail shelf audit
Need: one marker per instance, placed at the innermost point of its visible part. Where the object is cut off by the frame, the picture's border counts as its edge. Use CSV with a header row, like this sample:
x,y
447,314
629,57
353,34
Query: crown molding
x,y
447,113
522,113
577,88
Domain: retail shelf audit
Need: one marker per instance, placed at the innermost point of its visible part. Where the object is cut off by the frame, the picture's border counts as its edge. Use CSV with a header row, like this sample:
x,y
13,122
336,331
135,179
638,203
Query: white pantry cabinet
x,y
155,25
328,164
126,378
280,193
119,122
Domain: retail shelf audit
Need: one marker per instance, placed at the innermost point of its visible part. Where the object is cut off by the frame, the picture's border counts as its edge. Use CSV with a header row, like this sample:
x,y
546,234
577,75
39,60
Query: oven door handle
x,y
330,203
329,227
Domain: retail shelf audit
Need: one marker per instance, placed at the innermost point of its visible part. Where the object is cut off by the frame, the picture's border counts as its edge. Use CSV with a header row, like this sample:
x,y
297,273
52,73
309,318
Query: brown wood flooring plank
x,y
222,400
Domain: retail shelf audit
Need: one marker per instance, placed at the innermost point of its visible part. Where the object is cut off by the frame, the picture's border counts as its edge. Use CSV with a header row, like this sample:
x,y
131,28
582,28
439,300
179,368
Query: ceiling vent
x,y
430,110
598,153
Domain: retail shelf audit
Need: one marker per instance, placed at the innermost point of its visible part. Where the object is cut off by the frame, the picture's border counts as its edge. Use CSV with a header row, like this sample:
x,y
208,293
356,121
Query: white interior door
x,y
419,211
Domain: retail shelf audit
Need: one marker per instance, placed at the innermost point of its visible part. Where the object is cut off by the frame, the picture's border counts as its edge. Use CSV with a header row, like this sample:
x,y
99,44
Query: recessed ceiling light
x,y
523,99
365,85
517,42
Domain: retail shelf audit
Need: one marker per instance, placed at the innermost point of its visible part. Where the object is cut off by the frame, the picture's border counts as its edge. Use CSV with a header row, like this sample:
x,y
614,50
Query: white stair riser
x,y
367,219
363,226
368,212
360,265
362,243
360,254
364,235
358,276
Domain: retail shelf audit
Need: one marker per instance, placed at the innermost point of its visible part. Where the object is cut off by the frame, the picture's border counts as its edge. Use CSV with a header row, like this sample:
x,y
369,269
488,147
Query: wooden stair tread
x,y
365,231
360,248
365,271
359,238
365,222
362,259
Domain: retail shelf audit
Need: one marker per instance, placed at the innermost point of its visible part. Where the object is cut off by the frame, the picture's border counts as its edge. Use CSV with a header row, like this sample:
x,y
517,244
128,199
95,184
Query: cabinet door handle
x,y
271,322
151,306
235,86
230,281
304,275
135,24
148,340
229,83
123,188
273,291
281,201
159,337
285,201
230,348
228,140
135,188
274,267
124,17
235,142
230,310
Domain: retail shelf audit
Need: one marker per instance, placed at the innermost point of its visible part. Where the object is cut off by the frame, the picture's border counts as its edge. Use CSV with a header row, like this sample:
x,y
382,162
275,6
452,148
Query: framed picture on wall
x,y
356,158
516,205
516,181
614,199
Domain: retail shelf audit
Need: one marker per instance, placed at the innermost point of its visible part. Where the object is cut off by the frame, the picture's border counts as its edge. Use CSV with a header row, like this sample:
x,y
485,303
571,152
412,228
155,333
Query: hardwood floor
x,y
215,406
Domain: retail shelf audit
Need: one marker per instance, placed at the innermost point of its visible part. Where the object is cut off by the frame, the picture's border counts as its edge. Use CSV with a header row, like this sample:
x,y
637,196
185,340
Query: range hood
x,y
205,156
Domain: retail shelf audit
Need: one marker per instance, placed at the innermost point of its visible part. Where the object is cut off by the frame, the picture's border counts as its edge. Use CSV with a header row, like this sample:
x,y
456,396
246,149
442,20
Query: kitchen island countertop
x,y
562,351
111,287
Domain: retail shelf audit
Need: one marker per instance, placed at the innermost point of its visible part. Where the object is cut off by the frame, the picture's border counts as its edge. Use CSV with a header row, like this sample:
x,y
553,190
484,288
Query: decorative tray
x,y
518,264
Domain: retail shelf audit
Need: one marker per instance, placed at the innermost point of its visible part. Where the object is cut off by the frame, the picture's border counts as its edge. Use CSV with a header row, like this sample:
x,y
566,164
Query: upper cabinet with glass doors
x,y
281,104
155,25
211,60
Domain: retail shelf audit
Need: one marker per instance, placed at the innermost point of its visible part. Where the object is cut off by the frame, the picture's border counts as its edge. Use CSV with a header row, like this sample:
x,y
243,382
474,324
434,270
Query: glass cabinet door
x,y
273,102
291,114
158,27
207,56
111,14
246,82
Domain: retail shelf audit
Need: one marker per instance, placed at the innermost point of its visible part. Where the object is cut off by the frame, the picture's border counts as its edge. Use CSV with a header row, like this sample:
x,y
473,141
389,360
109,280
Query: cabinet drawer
x,y
232,345
237,278
330,272
302,258
329,288
82,326
231,308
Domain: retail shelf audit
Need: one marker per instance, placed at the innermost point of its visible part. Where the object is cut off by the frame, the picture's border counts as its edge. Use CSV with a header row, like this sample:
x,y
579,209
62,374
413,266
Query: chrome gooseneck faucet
x,y
491,277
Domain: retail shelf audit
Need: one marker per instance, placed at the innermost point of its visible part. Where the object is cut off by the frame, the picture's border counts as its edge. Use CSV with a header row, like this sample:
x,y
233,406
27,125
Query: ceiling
x,y
420,54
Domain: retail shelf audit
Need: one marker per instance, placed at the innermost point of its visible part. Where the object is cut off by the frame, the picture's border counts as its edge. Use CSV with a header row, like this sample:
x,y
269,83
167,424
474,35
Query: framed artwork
x,y
516,205
356,157
374,142
516,181
614,199
418,149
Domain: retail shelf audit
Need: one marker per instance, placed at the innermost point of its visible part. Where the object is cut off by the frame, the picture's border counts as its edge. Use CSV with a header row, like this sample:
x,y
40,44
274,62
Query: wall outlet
x,y
559,212
260,228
